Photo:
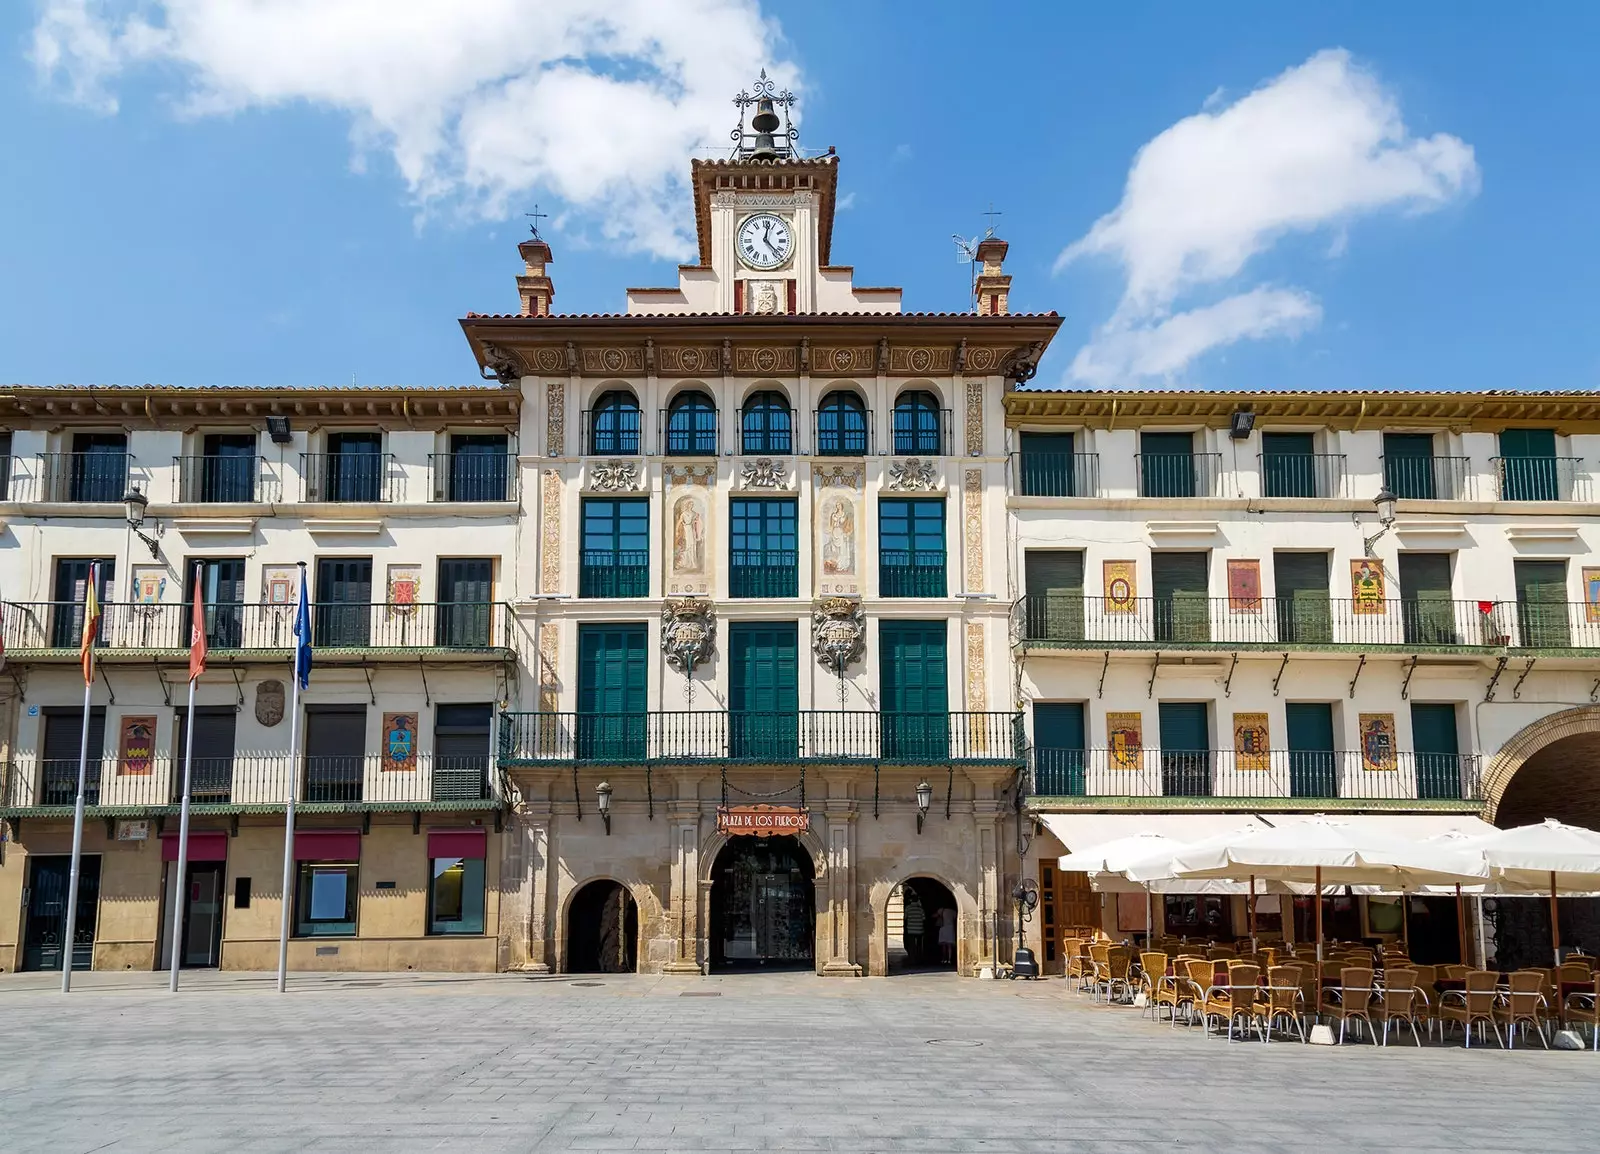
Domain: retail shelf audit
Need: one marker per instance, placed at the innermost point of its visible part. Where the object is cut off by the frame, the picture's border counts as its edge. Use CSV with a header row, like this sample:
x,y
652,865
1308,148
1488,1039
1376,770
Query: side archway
x,y
931,881
1533,775
602,929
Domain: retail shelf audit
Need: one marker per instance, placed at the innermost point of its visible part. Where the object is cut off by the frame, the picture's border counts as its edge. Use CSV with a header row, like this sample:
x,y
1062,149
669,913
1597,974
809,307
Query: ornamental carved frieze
x,y
688,360
986,358
919,360
765,359
843,360
550,534
702,475
764,473
613,361
555,419
974,418
688,632
914,474
838,632
972,522
839,476
547,358
615,476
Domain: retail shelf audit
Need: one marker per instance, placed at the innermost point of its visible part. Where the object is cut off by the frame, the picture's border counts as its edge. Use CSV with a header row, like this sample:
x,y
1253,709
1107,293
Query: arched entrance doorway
x,y
763,905
602,930
921,927
1560,779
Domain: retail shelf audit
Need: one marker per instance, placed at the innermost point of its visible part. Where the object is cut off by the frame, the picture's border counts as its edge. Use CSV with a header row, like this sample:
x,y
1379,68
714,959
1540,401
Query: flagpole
x,y
294,781
179,888
70,929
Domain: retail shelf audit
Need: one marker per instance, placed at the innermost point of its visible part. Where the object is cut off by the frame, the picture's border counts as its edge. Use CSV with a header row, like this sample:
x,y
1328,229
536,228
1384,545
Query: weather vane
x,y
537,217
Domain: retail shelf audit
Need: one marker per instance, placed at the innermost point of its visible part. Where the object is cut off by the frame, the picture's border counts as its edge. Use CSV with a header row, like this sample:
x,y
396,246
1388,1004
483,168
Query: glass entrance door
x,y
202,915
46,898
762,905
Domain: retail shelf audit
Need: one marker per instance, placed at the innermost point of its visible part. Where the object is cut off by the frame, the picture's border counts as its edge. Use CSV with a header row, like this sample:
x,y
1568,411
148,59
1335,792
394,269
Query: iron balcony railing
x,y
830,736
836,433
219,479
1056,474
614,573
474,476
686,432
611,432
84,478
46,627
254,781
913,437
1070,620
1178,474
370,478
1278,773
764,573
903,573
1540,478
1430,478
1302,474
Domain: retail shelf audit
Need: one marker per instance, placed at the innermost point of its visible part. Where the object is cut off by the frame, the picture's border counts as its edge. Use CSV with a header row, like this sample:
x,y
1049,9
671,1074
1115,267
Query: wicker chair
x,y
1234,1002
1281,1001
1524,1005
1472,1005
1076,952
1190,989
1220,953
1428,1009
1569,977
1582,1007
1099,964
1351,999
1117,973
1152,971
1401,1000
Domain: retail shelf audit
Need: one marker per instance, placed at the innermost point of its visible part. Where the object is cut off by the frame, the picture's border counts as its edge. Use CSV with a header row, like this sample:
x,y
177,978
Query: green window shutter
x,y
763,690
1408,466
1426,604
1288,465
1300,593
1433,736
612,686
1046,467
1184,726
1312,772
1528,465
1166,463
914,689
1185,749
1542,603
1182,602
1058,748
1528,443
1053,579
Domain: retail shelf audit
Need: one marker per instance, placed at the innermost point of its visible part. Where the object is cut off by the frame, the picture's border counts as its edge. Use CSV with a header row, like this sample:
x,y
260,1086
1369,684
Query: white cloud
x,y
479,104
847,202
1314,148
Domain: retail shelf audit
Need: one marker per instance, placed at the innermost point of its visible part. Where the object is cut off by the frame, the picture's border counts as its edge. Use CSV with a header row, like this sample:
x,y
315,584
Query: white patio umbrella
x,y
1550,857
1325,851
1108,858
1155,872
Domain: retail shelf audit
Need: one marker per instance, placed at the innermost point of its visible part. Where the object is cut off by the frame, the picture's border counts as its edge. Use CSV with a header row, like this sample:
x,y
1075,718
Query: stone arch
x,y
765,385
942,391
593,392
711,850
645,900
1527,742
711,845
936,869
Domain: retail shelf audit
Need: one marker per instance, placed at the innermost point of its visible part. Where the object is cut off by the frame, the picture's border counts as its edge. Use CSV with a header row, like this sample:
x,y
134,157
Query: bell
x,y
765,120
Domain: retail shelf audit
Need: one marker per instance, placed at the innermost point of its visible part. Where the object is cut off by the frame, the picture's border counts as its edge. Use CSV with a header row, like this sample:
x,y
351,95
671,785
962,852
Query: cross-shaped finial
x,y
537,217
991,214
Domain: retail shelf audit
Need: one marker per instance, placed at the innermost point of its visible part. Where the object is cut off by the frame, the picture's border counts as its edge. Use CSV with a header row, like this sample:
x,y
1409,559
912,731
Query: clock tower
x,y
764,227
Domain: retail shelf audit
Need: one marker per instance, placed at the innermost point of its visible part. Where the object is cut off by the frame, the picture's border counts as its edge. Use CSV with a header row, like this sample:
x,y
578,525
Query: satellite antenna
x,y
967,251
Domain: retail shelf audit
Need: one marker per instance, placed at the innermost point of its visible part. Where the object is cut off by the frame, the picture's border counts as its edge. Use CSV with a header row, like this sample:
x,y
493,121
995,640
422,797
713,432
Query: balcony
x,y
84,478
249,782
1068,621
903,573
1302,474
1178,474
614,573
1430,478
51,629
220,479
1056,474
824,736
1540,478
764,573
367,478
473,476
1199,777
914,437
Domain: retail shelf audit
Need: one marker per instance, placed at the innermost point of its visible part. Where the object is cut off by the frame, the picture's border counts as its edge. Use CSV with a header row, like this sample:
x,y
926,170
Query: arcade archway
x,y
602,930
763,905
921,926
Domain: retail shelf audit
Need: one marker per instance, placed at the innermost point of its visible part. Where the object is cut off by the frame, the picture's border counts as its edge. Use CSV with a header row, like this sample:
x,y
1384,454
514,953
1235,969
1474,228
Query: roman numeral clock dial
x,y
764,241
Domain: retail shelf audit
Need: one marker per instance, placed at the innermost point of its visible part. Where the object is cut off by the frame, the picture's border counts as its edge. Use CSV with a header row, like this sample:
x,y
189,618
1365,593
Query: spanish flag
x,y
91,621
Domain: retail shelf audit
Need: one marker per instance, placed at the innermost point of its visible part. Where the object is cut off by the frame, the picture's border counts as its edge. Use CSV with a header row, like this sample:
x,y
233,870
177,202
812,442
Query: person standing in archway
x,y
945,919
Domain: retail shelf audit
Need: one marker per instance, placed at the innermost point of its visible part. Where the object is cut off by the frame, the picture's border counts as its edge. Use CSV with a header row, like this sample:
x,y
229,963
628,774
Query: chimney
x,y
992,287
534,285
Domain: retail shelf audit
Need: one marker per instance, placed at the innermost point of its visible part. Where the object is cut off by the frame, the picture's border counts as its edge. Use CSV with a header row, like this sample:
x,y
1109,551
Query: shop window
x,y
455,895
325,900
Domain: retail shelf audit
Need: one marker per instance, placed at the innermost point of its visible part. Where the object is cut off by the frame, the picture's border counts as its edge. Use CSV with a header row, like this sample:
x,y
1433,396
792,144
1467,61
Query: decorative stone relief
x,y
614,477
689,360
974,418
972,520
835,360
763,473
688,632
919,360
549,666
550,514
838,632
269,702
984,359
505,364
555,416
614,360
765,359
912,475
840,476
977,683
764,297
548,359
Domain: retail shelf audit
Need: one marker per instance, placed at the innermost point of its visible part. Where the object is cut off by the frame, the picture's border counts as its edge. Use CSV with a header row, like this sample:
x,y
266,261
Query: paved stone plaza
x,y
760,1062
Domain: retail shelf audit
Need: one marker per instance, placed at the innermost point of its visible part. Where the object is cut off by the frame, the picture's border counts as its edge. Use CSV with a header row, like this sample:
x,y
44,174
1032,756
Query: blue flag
x,y
302,637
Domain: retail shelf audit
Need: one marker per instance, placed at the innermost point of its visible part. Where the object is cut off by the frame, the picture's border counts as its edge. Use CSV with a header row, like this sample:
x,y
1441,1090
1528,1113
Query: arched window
x,y
614,423
768,424
692,426
916,424
841,426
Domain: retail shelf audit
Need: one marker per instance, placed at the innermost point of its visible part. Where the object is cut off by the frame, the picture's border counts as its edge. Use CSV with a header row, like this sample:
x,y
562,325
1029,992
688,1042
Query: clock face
x,y
764,241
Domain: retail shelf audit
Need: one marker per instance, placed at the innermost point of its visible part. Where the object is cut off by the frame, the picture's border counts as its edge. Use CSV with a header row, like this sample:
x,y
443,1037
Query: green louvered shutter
x,y
1433,736
916,720
1426,605
1528,465
1311,759
1542,604
763,690
611,692
1185,749
1053,579
1182,607
1408,466
1300,593
1058,754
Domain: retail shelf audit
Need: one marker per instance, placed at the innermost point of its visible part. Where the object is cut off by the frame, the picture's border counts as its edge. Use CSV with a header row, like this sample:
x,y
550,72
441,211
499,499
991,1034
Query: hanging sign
x,y
762,820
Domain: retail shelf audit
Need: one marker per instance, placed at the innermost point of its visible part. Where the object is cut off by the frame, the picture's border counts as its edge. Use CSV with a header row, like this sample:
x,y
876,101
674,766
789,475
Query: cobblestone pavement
x,y
760,1062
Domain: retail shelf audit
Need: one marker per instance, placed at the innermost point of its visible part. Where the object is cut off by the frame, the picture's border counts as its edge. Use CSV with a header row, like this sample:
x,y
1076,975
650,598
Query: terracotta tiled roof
x,y
656,318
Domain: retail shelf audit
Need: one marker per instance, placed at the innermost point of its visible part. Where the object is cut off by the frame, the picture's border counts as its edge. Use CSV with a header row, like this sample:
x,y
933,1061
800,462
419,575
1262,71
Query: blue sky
x,y
303,201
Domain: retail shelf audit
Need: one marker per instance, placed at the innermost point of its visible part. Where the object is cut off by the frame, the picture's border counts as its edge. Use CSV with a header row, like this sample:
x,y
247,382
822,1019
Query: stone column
x,y
683,905
525,892
839,816
987,818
